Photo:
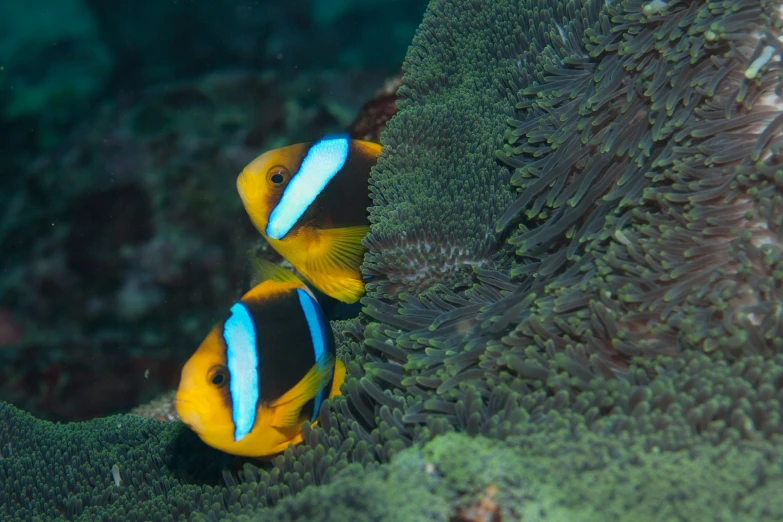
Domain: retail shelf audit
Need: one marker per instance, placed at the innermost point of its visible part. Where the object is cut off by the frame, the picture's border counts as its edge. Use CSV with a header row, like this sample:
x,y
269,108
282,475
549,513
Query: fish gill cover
x,y
576,229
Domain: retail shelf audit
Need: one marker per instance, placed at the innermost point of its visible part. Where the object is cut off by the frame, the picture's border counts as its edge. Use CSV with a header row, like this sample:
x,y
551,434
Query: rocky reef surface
x,y
576,311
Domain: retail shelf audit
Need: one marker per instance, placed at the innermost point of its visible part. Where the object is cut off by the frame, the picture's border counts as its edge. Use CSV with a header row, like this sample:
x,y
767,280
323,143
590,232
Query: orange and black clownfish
x,y
262,371
310,202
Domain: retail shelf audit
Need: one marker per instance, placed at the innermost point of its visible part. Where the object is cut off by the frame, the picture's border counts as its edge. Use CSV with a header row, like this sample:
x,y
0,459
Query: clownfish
x,y
262,371
310,202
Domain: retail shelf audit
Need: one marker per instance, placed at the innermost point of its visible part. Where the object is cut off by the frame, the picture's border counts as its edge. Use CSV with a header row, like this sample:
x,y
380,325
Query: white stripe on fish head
x,y
242,361
322,163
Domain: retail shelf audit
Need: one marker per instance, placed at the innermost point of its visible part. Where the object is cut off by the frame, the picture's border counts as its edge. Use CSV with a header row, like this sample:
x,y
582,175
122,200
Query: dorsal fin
x,y
262,270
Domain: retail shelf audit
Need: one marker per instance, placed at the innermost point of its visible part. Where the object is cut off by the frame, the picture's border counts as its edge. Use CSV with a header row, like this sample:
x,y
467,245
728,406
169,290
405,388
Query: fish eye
x,y
278,175
218,376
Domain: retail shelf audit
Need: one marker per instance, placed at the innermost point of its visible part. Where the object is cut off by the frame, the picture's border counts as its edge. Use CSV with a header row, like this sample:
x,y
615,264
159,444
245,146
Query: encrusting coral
x,y
576,238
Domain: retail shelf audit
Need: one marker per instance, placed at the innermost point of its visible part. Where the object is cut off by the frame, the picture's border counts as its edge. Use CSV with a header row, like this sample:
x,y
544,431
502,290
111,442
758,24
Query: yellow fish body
x,y
261,372
310,202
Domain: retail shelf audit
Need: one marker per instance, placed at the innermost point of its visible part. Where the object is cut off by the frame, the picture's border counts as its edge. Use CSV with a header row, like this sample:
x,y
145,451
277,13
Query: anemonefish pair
x,y
310,203
262,371
268,367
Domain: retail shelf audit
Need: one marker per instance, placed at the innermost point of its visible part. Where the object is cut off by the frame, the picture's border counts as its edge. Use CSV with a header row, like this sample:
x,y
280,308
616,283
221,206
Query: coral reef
x,y
576,243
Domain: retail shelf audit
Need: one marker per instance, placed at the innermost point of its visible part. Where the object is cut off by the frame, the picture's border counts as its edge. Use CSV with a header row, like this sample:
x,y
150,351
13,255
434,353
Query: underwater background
x,y
125,125
576,251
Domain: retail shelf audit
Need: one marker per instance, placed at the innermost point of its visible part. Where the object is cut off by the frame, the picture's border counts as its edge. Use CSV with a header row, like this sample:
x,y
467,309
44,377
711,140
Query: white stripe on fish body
x,y
322,163
242,361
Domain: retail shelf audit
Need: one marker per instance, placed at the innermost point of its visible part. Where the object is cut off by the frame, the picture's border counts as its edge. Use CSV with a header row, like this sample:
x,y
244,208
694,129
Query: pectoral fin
x,y
334,264
341,248
288,408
